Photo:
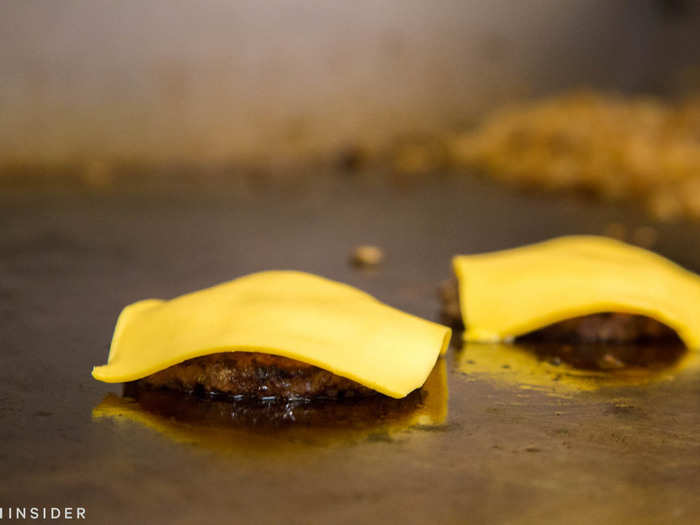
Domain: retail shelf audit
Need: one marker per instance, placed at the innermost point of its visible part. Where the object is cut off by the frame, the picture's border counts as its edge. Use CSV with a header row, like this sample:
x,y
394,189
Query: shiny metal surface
x,y
72,256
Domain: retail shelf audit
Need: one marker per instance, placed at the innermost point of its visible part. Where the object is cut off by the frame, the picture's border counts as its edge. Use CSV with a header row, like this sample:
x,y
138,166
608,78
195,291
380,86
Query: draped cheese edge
x,y
291,314
508,293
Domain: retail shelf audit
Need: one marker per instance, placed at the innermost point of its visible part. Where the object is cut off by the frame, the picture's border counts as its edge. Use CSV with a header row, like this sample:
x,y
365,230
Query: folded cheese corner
x,y
286,313
509,293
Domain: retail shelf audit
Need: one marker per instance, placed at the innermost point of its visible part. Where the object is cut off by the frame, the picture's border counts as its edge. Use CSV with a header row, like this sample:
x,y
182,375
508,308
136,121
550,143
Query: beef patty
x,y
608,327
255,375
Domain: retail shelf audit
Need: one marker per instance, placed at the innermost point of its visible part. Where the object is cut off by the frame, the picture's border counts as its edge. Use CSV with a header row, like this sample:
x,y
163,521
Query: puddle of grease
x,y
520,365
230,426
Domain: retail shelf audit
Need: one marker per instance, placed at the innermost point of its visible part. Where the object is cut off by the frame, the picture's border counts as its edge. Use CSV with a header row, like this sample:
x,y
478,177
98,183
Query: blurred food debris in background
x,y
617,147
366,256
97,174
416,155
645,236
616,231
351,158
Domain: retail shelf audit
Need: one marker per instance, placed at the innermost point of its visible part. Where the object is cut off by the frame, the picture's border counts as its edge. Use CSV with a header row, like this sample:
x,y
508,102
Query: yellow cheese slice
x,y
291,314
509,293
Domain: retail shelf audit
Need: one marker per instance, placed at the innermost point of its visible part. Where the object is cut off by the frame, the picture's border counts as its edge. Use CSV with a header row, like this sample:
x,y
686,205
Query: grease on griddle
x,y
539,366
272,413
235,426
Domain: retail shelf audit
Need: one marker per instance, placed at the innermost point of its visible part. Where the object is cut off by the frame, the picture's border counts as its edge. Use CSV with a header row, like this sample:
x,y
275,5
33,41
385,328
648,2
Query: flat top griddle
x,y
72,256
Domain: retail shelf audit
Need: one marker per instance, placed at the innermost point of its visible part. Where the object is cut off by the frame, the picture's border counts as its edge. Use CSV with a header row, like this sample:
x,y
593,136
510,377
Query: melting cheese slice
x,y
291,314
509,293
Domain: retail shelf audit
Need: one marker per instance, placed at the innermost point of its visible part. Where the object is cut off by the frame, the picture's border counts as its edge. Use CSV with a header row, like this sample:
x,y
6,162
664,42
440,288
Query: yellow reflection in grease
x,y
514,364
431,412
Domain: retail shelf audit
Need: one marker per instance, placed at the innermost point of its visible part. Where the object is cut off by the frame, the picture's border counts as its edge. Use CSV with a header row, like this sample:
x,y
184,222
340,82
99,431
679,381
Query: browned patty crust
x,y
254,374
608,327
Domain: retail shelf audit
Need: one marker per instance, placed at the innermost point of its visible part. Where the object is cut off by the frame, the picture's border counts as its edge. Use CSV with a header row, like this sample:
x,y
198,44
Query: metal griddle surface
x,y
72,256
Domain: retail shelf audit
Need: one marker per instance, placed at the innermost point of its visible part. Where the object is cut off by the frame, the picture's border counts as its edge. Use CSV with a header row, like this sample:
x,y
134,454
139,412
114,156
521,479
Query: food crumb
x,y
365,256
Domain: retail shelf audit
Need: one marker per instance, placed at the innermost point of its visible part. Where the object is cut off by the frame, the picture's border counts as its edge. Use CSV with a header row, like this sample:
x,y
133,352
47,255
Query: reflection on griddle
x,y
564,369
227,425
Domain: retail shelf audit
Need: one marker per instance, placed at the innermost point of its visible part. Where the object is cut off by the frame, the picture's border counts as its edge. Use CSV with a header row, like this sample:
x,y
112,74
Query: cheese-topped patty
x,y
503,295
294,315
604,327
